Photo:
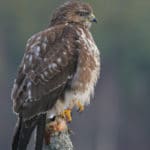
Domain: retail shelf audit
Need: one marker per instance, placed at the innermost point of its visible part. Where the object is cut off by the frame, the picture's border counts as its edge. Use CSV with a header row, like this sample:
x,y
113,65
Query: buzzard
x,y
59,70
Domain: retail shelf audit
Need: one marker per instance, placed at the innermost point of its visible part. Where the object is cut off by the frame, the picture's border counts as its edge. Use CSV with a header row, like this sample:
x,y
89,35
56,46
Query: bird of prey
x,y
59,70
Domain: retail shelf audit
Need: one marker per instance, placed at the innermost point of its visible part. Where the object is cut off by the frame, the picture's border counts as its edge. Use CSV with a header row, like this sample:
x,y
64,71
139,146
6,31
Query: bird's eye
x,y
83,13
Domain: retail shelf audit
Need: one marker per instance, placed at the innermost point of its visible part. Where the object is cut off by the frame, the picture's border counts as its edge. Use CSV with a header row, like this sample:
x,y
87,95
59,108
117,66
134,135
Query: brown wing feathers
x,y
48,61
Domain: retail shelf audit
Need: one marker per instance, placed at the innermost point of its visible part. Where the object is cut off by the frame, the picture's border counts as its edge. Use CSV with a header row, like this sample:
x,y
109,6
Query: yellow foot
x,y
80,106
67,115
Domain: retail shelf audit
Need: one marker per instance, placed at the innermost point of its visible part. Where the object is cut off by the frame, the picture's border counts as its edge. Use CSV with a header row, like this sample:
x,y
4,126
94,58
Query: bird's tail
x,y
24,131
15,140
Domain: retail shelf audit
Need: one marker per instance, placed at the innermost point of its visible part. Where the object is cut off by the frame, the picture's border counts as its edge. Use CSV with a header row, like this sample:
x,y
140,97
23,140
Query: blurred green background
x,y
118,117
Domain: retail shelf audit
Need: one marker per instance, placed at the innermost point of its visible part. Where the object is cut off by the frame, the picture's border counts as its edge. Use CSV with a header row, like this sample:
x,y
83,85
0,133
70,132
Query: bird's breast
x,y
88,69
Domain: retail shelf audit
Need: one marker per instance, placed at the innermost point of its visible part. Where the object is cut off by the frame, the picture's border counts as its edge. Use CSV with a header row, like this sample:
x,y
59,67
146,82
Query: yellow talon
x,y
67,115
80,106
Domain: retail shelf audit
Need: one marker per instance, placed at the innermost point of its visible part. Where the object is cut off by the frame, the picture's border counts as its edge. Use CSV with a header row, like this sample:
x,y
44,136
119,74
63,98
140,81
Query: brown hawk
x,y
59,69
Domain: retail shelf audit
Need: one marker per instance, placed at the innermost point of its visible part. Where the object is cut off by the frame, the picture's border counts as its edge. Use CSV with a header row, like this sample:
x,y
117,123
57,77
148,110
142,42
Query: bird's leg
x,y
67,115
79,106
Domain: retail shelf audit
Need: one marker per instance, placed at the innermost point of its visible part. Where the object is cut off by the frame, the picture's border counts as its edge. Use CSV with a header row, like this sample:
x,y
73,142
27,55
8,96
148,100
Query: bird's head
x,y
74,12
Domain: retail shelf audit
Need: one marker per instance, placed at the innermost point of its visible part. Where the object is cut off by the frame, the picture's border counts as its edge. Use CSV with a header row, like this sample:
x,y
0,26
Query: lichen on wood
x,y
59,138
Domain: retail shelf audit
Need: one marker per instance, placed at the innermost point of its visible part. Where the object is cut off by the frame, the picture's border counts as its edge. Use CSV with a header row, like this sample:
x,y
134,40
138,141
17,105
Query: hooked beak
x,y
92,18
